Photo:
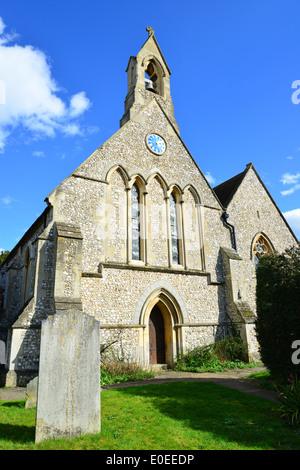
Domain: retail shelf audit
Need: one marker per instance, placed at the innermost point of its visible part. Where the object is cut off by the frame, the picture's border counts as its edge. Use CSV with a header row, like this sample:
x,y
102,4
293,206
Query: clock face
x,y
156,144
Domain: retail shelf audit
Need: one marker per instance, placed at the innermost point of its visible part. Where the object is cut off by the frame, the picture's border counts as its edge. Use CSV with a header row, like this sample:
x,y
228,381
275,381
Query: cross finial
x,y
150,31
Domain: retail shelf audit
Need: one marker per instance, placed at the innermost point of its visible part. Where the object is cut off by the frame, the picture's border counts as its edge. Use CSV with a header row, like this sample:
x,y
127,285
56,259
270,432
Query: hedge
x,y
278,311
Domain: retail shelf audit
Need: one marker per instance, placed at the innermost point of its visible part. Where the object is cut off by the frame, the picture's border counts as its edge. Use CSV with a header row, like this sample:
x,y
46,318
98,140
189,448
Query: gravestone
x,y
2,352
31,393
68,399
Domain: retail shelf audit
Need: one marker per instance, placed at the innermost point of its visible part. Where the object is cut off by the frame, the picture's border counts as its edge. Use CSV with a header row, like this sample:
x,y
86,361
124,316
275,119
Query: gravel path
x,y
236,379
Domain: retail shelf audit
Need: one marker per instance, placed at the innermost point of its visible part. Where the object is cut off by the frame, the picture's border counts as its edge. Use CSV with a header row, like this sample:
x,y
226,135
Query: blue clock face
x,y
156,144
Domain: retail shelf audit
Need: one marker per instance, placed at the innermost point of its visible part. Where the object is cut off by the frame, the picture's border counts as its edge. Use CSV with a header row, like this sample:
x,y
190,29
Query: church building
x,y
137,238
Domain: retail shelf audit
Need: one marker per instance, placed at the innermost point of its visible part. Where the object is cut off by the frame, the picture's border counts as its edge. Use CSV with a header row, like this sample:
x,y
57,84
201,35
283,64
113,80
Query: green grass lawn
x,y
171,416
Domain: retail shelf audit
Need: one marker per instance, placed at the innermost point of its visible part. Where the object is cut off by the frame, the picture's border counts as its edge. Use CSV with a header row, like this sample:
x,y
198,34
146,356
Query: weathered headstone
x,y
68,401
31,393
2,352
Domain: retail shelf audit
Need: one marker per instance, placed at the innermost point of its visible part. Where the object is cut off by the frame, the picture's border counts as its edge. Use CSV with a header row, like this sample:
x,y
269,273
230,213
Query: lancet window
x,y
174,230
135,223
261,247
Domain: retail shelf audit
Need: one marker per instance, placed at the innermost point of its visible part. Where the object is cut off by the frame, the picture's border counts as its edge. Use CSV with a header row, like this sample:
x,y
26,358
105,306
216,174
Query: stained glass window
x,y
135,222
174,230
261,248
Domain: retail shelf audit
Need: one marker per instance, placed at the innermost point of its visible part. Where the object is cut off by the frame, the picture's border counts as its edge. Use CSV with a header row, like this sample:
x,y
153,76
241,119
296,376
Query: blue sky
x,y
63,85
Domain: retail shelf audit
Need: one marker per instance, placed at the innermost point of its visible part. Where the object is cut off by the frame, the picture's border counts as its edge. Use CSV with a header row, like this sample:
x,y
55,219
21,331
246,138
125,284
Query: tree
x,y
3,255
278,311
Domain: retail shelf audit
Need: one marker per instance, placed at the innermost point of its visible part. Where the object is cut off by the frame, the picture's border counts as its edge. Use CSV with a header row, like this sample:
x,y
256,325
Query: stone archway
x,y
169,314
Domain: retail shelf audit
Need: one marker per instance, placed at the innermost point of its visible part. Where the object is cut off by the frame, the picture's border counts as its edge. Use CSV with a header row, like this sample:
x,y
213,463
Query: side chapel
x,y
137,238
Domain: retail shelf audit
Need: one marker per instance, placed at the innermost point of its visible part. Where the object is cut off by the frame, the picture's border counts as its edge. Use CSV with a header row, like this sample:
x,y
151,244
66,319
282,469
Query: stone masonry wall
x,y
252,212
88,202
21,318
113,300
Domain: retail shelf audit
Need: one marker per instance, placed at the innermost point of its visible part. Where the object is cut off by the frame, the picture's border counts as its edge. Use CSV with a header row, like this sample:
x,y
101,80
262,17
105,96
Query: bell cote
x,y
148,77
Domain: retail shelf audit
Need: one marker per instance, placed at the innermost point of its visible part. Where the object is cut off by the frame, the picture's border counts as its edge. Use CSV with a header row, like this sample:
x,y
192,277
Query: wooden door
x,y
157,337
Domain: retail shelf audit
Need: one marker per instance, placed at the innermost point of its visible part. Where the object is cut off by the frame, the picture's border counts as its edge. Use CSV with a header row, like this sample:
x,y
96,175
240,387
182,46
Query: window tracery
x,y
261,247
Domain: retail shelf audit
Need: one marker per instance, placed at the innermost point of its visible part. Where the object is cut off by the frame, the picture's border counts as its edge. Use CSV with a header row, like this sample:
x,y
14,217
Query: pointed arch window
x,y
174,230
261,247
135,223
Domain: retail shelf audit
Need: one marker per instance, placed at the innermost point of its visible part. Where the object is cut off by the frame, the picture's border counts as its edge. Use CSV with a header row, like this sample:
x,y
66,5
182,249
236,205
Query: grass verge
x,y
170,416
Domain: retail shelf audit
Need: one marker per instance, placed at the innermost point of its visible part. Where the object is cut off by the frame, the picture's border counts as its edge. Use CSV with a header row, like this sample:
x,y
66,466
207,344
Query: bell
x,y
150,86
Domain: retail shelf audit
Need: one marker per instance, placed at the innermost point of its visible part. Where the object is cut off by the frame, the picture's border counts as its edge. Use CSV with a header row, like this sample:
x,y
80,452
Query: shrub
x,y
3,255
196,358
289,397
117,367
117,372
278,310
228,353
231,348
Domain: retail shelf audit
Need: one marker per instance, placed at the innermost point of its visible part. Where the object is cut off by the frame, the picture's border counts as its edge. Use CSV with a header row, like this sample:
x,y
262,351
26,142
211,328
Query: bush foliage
x,y
3,255
117,367
289,397
278,311
228,353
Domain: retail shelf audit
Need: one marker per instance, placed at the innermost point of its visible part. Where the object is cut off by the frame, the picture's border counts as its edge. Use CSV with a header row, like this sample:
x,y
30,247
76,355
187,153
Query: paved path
x,y
236,379
15,393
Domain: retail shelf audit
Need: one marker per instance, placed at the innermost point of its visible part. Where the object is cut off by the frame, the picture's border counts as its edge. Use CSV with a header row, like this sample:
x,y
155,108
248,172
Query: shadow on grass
x,y
14,432
13,404
230,415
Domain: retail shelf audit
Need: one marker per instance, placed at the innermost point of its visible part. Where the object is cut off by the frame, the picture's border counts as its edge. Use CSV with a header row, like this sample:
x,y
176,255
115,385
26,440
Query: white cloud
x,y
290,191
210,178
2,26
288,178
290,158
293,218
38,153
31,94
71,129
79,103
4,38
7,200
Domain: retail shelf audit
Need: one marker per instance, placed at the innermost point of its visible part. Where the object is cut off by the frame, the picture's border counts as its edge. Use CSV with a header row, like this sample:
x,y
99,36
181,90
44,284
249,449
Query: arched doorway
x,y
166,298
157,345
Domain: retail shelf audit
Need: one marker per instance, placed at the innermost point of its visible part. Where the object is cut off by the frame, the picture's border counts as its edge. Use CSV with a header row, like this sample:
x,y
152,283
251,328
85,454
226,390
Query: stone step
x,y
156,367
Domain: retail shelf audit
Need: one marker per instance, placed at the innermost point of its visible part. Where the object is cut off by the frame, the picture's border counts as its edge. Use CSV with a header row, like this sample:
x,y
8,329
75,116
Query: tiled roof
x,y
225,191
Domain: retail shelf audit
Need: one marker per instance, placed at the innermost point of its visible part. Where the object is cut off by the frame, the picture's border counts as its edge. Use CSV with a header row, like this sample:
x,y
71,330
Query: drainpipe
x,y
225,216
